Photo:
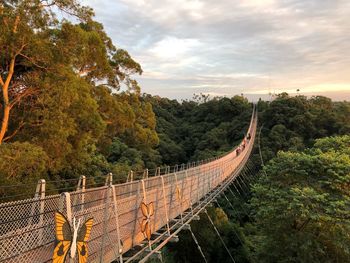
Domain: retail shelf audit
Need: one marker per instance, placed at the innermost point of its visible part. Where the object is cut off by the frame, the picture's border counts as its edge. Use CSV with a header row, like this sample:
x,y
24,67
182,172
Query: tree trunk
x,y
7,106
4,123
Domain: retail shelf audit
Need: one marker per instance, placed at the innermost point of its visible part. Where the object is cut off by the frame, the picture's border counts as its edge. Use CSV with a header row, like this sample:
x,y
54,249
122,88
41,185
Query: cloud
x,y
233,47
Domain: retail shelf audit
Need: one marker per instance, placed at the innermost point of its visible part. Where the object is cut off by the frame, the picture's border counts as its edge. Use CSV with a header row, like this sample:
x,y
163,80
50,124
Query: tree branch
x,y
25,93
15,132
32,61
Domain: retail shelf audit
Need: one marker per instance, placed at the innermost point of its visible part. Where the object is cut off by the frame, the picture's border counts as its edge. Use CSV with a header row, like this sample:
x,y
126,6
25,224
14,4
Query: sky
x,y
229,47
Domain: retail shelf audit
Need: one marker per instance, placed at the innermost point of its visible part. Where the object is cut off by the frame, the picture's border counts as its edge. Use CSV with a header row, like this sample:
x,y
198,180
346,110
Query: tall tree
x,y
26,49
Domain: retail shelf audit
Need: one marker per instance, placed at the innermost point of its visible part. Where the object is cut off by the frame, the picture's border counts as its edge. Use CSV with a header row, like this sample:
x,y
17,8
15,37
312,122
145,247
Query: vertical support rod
x,y
178,194
105,219
120,248
39,194
165,206
42,207
137,197
68,206
191,189
109,179
145,174
81,187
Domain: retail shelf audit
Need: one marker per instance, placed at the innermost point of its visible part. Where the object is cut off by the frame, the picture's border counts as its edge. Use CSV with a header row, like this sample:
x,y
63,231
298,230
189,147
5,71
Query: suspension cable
x,y
228,201
245,173
242,207
240,240
217,232
198,246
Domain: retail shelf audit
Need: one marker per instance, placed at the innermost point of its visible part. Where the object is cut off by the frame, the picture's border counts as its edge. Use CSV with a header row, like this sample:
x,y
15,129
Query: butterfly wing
x,y
64,238
83,237
60,252
144,209
143,225
148,231
150,209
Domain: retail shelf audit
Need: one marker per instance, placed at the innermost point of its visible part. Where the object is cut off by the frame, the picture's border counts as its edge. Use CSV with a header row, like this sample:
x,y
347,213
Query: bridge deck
x,y
27,231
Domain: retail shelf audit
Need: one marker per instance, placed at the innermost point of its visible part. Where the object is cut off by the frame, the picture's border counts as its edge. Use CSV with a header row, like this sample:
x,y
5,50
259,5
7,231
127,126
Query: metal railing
x,y
27,229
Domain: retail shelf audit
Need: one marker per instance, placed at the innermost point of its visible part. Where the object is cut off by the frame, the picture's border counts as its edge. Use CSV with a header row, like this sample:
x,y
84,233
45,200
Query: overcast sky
x,y
231,47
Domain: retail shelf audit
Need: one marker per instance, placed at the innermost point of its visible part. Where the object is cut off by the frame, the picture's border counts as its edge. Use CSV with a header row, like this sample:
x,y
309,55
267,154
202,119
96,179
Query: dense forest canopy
x,y
70,106
298,206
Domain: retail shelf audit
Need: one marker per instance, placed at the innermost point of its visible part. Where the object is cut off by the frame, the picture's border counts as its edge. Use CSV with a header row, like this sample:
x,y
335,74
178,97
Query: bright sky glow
x,y
231,47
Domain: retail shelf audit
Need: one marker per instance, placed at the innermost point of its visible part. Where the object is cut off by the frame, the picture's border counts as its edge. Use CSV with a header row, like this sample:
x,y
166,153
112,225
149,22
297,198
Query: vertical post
x,y
119,245
158,171
81,187
109,179
165,206
186,176
105,219
145,174
81,183
68,206
210,178
136,211
198,185
39,195
131,175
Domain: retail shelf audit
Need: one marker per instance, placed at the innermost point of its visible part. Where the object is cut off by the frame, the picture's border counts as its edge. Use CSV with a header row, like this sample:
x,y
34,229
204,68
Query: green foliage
x,y
199,130
21,163
293,123
64,96
301,209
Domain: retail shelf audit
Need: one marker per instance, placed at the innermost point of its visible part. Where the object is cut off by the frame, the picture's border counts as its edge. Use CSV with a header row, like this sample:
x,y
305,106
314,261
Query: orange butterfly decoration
x,y
75,240
147,212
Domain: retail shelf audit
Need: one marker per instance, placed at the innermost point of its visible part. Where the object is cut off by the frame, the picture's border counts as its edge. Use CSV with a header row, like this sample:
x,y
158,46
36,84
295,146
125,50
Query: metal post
x,y
145,174
198,184
105,219
42,207
39,194
137,197
68,206
120,248
130,177
165,206
109,179
191,203
81,187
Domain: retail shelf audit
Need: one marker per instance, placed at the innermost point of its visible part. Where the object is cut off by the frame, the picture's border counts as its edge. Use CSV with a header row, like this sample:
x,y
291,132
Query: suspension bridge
x,y
132,221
